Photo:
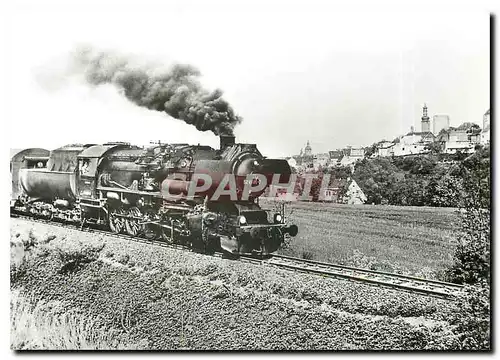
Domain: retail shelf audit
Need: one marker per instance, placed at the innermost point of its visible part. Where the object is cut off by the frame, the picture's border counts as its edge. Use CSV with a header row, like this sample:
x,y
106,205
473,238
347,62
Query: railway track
x,y
394,281
400,282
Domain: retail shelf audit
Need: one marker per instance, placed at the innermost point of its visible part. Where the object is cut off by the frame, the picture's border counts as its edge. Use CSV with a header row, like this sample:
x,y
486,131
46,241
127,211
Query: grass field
x,y
414,240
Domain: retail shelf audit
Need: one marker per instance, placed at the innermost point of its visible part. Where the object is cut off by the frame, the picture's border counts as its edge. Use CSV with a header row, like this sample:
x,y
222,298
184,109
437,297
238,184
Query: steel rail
x,y
412,284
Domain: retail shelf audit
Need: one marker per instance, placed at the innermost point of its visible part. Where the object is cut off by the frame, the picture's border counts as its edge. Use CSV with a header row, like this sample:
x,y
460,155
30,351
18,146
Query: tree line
x,y
421,180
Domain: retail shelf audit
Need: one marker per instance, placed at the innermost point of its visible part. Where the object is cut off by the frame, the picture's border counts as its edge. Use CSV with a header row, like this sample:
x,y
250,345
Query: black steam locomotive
x,y
149,192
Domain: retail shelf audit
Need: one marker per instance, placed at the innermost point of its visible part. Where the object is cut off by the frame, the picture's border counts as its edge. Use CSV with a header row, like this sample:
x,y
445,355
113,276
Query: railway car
x,y
149,192
26,159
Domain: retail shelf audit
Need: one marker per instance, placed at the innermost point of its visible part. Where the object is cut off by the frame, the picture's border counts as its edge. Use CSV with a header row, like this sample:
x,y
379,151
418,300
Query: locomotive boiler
x,y
191,194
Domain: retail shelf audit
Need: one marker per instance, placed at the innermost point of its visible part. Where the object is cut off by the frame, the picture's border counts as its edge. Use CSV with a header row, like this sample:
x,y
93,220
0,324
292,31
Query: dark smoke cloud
x,y
174,90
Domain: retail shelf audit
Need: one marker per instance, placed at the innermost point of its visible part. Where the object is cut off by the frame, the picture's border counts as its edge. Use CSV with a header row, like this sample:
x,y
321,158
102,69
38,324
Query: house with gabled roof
x,y
345,191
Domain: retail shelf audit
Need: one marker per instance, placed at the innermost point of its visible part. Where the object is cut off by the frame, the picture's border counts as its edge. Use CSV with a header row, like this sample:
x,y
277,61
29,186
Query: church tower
x,y
308,150
426,124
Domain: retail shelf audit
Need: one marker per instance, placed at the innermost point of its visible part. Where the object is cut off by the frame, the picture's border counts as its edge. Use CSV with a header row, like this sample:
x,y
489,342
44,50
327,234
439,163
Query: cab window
x,y
88,166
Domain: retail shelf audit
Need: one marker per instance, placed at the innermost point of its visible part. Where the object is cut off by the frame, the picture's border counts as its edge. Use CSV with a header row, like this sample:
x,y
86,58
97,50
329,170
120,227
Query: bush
x,y
472,318
472,256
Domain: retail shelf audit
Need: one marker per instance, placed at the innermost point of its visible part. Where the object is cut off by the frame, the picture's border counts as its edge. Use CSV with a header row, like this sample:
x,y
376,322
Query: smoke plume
x,y
174,90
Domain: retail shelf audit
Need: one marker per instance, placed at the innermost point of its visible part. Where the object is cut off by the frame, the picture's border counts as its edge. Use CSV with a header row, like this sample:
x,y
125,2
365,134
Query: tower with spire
x,y
426,124
308,150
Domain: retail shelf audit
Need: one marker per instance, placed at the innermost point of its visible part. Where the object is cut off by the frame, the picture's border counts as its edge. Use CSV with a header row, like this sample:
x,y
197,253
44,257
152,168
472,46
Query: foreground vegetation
x,y
47,325
168,299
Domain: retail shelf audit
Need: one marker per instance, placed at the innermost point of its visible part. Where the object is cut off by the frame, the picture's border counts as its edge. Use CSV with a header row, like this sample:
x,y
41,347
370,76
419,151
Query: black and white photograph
x,y
194,176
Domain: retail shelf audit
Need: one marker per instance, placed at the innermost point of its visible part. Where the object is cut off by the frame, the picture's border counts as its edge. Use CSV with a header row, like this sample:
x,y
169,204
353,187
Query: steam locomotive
x,y
158,192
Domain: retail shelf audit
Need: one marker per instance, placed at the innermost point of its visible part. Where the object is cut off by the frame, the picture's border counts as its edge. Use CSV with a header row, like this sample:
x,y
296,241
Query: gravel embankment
x,y
178,300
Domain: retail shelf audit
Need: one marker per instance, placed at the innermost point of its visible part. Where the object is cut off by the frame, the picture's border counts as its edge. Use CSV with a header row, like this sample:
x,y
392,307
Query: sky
x,y
294,71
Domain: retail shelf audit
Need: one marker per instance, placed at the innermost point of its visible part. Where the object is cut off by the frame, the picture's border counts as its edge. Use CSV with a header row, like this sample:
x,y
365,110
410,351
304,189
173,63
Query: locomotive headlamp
x,y
278,218
243,220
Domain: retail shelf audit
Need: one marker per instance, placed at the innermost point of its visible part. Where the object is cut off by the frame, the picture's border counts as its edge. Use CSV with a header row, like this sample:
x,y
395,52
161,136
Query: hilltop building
x,y
352,155
485,133
415,142
303,161
321,160
308,161
384,148
412,143
454,140
335,157
308,149
426,124
440,122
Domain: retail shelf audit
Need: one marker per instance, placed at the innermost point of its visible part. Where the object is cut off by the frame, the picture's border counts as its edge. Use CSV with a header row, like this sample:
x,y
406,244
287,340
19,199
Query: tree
x,y
459,155
370,150
339,172
472,255
471,319
434,147
468,126
444,191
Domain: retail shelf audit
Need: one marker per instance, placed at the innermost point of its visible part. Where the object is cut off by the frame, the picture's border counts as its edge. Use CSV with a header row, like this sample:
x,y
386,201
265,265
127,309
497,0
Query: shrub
x,y
472,318
472,256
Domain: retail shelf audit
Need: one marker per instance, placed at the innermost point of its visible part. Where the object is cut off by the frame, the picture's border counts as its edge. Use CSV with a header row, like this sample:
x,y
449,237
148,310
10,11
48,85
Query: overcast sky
x,y
294,74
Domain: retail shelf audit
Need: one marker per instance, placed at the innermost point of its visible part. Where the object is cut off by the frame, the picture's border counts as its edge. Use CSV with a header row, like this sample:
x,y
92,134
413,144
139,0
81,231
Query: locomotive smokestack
x,y
226,140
